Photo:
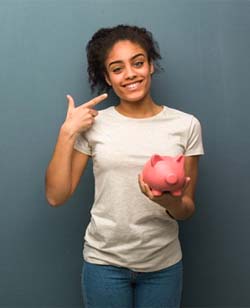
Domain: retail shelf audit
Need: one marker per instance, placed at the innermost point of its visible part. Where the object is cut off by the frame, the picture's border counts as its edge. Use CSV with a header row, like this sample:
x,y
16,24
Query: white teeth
x,y
132,86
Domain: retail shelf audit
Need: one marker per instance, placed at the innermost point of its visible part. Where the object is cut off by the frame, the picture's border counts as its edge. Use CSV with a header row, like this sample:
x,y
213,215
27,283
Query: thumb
x,y
71,103
186,184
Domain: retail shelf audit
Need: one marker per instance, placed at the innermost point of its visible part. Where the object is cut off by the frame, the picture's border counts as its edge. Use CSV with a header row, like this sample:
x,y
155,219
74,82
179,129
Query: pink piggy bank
x,y
165,173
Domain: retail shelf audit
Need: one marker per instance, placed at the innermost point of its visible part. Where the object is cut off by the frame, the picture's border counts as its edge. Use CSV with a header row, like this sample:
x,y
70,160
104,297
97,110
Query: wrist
x,y
67,131
184,210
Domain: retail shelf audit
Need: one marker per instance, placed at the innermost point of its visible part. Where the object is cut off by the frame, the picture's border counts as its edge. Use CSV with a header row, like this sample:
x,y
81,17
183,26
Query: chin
x,y
133,97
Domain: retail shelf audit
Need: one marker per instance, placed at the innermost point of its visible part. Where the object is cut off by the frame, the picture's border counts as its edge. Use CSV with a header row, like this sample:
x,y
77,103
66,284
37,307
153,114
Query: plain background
x,y
206,57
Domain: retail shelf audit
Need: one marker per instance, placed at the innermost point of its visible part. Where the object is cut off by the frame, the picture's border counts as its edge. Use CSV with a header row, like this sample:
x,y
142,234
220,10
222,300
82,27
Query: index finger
x,y
96,100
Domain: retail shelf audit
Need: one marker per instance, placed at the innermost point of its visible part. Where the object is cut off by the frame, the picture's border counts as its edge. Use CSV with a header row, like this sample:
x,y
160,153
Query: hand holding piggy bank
x,y
165,173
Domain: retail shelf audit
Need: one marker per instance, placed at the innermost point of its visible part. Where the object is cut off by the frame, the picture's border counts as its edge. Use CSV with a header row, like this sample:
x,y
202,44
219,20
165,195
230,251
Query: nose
x,y
171,179
129,72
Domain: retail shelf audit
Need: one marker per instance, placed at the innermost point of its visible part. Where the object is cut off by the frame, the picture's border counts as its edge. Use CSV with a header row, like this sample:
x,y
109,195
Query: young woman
x,y
132,254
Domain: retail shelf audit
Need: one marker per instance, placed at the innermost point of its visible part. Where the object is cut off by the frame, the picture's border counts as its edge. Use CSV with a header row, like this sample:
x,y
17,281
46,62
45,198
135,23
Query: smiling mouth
x,y
133,86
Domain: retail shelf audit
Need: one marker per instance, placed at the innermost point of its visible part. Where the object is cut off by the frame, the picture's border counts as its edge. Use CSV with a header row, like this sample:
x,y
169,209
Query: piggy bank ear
x,y
154,159
179,158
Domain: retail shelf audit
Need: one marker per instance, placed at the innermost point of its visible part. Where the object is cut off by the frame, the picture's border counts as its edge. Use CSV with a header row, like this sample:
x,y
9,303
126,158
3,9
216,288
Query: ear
x,y
179,158
107,79
152,68
154,159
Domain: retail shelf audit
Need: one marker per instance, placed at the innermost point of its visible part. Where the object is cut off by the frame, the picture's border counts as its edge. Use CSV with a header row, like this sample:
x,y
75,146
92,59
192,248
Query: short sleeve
x,y
82,145
194,145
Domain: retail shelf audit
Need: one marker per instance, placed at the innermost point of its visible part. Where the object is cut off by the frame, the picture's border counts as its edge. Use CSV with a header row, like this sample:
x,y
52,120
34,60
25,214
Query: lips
x,y
133,85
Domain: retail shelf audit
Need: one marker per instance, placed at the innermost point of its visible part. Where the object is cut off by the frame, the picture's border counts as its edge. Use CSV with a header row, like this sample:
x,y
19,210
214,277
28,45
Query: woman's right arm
x,y
67,165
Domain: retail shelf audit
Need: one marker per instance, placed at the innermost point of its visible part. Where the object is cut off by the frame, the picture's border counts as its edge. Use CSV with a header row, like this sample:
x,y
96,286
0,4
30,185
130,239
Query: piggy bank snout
x,y
171,179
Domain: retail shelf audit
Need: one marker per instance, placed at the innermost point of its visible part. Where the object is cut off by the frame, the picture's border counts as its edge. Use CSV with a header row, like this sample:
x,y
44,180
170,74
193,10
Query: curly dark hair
x,y
104,39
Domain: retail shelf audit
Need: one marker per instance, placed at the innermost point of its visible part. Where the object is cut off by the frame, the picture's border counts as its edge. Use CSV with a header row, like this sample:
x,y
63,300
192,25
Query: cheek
x,y
115,80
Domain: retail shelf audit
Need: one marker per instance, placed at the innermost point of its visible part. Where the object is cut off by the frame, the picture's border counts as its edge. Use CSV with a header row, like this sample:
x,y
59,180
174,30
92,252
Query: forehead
x,y
124,50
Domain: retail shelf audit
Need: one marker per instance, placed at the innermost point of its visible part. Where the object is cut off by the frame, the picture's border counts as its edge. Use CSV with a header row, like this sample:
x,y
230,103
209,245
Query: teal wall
x,y
206,55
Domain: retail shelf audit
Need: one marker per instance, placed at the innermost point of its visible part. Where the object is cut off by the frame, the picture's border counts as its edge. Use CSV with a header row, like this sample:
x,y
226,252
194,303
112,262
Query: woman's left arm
x,y
181,207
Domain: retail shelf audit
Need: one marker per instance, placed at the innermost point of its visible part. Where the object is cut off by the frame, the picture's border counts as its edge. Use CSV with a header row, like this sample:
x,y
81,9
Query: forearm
x,y
180,208
58,174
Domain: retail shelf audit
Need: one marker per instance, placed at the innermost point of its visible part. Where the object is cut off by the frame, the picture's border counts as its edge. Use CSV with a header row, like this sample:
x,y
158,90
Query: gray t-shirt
x,y
127,229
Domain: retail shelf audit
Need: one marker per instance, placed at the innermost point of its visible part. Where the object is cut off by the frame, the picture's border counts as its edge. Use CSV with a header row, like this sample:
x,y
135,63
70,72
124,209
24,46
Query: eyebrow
x,y
120,61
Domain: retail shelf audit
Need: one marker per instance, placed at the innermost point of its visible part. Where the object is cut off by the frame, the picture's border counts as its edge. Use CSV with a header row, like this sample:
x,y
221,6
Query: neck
x,y
139,109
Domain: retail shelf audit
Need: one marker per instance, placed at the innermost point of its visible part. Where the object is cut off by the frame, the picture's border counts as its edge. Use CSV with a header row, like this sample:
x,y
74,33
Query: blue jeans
x,y
105,286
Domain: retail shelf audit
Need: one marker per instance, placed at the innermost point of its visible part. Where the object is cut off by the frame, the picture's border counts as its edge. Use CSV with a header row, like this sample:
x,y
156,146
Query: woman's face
x,y
128,71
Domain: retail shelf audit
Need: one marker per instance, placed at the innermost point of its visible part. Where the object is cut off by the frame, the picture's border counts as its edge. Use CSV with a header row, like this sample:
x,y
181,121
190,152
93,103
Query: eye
x,y
138,63
116,69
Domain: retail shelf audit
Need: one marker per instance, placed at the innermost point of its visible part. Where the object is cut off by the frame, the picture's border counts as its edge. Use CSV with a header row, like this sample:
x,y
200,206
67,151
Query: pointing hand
x,y
81,118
